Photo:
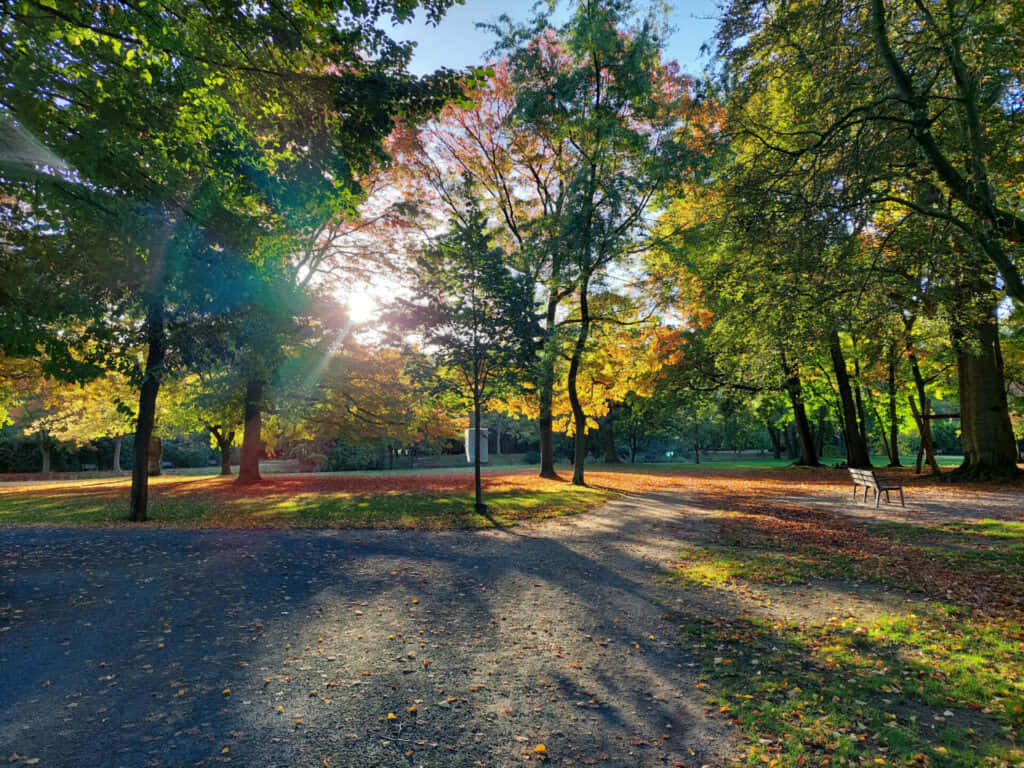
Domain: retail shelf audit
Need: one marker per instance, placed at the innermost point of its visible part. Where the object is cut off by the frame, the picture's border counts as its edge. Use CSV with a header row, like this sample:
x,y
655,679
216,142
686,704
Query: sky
x,y
456,43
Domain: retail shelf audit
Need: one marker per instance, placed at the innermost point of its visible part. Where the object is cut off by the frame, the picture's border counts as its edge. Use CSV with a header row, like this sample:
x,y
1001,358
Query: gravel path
x,y
354,648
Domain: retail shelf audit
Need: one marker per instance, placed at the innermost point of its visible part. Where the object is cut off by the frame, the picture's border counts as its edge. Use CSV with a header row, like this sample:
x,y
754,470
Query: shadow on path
x,y
169,647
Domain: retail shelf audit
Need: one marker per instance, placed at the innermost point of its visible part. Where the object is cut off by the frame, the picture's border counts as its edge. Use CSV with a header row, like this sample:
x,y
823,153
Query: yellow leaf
x,y
226,691
392,716
540,749
225,751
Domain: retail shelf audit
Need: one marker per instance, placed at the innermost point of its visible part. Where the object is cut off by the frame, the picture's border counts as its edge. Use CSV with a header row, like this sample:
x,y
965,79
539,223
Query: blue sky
x,y
456,42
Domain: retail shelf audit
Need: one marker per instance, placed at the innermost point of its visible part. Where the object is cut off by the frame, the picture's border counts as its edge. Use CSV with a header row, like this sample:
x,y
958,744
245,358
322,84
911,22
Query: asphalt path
x,y
555,642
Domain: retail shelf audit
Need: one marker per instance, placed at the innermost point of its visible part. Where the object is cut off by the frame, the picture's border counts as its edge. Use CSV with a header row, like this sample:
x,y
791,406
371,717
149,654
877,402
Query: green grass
x,y
940,683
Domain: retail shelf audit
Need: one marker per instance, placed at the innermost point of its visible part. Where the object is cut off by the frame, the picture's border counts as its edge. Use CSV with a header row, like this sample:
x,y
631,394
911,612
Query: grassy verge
x,y
937,682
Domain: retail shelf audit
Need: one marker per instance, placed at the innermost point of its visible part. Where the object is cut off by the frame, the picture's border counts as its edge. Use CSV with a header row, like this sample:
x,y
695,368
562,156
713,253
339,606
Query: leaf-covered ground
x,y
842,636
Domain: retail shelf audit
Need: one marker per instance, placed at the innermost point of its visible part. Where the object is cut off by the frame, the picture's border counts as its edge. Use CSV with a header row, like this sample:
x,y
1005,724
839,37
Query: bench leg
x,y
878,498
901,498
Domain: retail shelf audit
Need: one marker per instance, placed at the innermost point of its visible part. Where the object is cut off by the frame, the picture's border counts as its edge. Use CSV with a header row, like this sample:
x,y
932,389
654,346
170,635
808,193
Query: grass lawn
x,y
402,500
816,668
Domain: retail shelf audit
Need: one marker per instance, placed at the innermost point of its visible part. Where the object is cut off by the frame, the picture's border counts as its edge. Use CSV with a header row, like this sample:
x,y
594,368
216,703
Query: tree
x,y
476,316
911,97
100,408
598,85
170,158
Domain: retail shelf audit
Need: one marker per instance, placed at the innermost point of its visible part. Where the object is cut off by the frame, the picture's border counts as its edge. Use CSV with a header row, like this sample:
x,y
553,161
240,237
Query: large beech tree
x,y
910,96
161,149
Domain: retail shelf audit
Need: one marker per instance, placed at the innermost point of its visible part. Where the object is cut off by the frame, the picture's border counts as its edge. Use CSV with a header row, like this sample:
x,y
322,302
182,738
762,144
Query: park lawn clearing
x,y
431,499
426,499
435,501
845,642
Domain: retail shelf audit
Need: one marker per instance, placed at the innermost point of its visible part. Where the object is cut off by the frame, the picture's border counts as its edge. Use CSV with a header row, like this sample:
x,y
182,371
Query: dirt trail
x,y
355,648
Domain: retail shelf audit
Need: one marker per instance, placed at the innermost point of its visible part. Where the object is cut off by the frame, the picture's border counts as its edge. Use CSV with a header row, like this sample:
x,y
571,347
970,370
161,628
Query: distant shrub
x,y
344,458
531,457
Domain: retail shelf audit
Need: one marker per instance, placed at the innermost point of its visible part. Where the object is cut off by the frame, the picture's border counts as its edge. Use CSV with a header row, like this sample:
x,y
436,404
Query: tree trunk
x,y
224,440
546,395
990,451
696,453
611,456
117,453
156,456
924,425
775,437
803,427
44,452
894,424
478,487
790,441
862,416
856,447
252,441
497,436
155,356
225,458
819,445
924,428
579,418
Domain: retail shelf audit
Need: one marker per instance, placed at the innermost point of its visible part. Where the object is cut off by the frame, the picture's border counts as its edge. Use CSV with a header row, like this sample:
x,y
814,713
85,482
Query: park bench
x,y
868,479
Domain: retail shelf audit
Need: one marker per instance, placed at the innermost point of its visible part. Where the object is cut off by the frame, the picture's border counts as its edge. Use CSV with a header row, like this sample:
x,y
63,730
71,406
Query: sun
x,y
362,307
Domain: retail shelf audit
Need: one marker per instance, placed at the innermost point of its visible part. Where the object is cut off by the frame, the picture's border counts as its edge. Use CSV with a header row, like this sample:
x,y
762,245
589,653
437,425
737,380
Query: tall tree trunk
x,y
546,393
156,456
225,456
894,424
497,436
117,453
862,414
478,486
155,355
990,451
926,449
803,428
579,418
856,447
922,409
611,456
696,453
252,440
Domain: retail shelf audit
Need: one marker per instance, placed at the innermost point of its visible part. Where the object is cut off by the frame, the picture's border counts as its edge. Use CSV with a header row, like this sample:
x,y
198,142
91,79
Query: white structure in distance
x,y
470,445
